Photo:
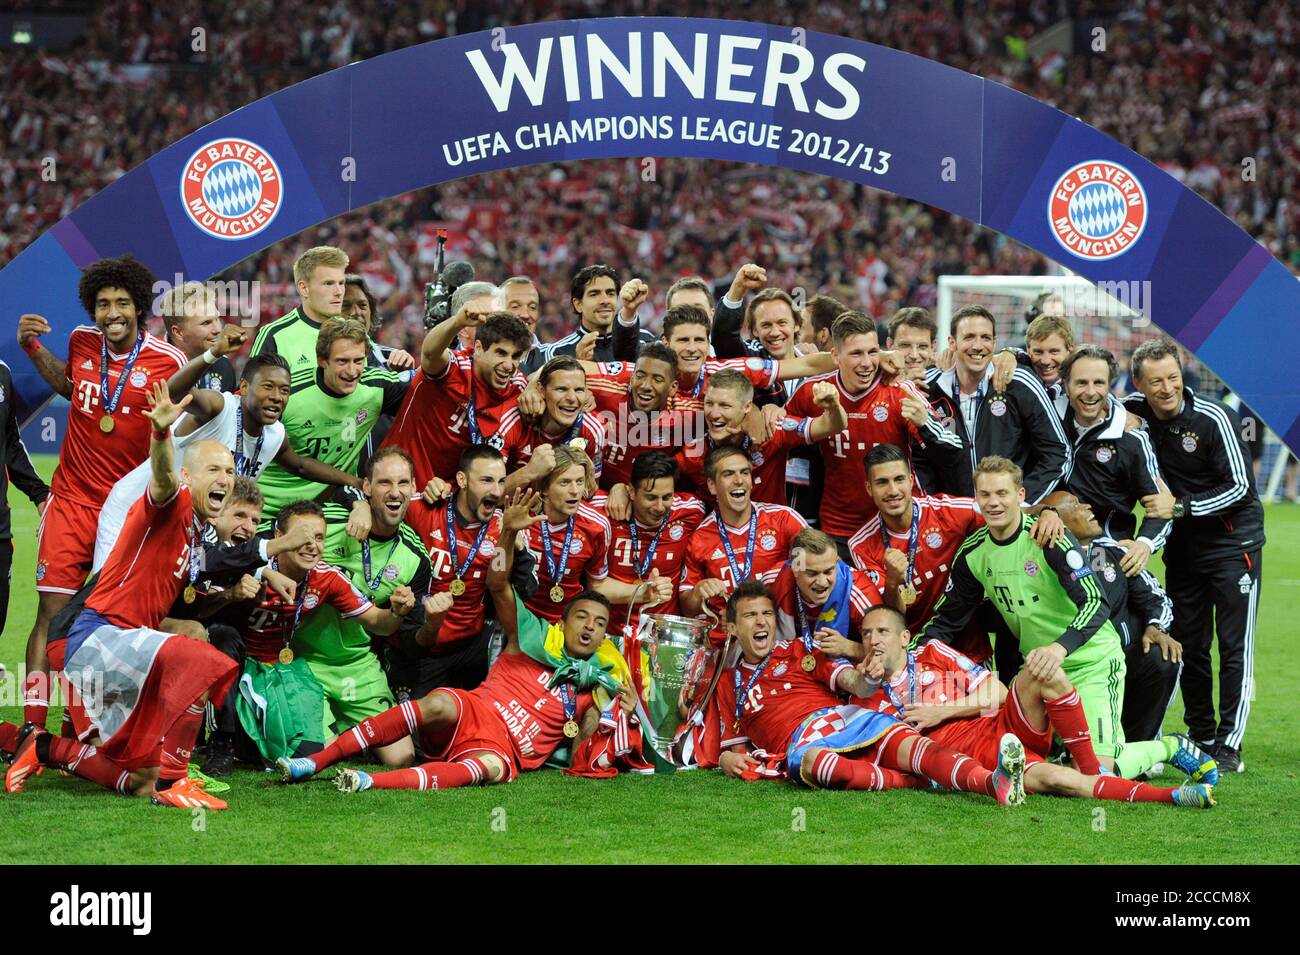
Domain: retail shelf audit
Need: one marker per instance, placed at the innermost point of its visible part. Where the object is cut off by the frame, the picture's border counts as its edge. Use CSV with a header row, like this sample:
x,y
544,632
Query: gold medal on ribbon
x,y
456,587
570,728
286,655
809,663
557,594
908,594
106,424
189,594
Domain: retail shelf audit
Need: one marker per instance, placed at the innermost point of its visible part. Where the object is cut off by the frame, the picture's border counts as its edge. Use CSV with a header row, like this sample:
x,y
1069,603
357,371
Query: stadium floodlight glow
x,y
826,105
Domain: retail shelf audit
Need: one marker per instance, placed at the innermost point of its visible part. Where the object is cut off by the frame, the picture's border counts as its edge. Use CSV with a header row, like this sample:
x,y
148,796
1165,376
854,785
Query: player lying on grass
x,y
784,698
144,689
961,705
520,715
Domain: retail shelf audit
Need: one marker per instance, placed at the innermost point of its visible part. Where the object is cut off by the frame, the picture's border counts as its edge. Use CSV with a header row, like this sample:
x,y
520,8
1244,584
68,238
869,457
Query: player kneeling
x,y
960,704
517,718
784,698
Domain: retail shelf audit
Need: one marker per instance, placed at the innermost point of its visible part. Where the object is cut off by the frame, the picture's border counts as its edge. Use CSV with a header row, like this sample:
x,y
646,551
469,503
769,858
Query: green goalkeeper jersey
x,y
325,636
1045,595
293,337
332,428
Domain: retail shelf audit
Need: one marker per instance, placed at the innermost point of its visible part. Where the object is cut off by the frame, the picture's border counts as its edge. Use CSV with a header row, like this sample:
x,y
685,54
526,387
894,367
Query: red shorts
x,y
979,736
65,545
476,730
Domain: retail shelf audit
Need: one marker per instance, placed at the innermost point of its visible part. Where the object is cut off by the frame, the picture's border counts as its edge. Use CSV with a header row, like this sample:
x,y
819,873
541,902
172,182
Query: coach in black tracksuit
x,y
16,466
1215,550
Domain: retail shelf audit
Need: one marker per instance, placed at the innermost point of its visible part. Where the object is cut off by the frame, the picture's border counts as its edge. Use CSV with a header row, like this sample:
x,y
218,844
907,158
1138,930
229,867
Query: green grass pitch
x,y
690,817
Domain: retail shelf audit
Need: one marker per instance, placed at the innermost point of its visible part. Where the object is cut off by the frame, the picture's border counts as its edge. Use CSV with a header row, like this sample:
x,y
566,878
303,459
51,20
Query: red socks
x,y
36,698
1067,718
388,727
85,761
833,771
947,767
466,772
1126,790
8,737
178,744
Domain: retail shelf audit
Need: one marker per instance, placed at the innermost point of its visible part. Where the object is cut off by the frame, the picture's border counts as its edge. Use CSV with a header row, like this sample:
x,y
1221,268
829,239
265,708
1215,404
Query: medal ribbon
x,y
741,695
365,561
805,628
723,532
556,575
644,565
244,466
471,413
453,544
299,597
912,533
911,685
110,404
195,541
569,699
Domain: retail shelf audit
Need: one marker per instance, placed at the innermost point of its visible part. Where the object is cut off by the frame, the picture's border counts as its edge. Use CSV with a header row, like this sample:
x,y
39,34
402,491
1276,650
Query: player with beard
x,y
193,324
461,535
1142,613
564,422
632,401
249,423
728,406
1018,422
878,412
1112,467
653,534
1214,559
514,722
959,704
141,690
784,702
820,599
596,299
573,543
110,370
908,547
458,398
330,419
740,540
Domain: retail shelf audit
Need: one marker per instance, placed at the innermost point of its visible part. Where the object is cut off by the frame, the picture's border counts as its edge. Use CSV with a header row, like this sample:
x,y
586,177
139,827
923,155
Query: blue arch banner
x,y
670,87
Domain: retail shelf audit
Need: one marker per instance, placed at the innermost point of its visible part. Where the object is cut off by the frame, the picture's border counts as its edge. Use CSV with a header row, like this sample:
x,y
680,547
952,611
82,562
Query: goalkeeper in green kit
x,y
1054,605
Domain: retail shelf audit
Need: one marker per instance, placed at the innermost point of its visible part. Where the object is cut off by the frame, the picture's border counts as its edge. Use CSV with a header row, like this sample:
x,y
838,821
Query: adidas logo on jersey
x,y
717,554
87,365
309,423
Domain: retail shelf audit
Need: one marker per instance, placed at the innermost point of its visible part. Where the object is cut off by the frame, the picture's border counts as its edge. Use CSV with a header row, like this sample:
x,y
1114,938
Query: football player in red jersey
x,y
111,367
879,413
462,535
652,532
739,541
728,405
783,701
565,394
510,724
573,543
820,600
632,402
959,704
456,399
144,690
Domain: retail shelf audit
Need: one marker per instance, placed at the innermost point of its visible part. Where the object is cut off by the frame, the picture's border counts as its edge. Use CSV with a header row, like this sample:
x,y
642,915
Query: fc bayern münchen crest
x,y
310,601
1097,210
1031,568
675,531
880,412
780,669
1104,453
1109,573
997,407
362,415
1189,443
391,572
767,542
231,189
139,379
575,547
934,540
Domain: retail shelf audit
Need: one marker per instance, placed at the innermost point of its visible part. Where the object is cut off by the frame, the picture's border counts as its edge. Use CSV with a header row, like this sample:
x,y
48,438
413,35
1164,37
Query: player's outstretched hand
x,y
1135,557
890,365
471,318
1004,368
834,644
436,604
163,412
523,511
1049,529
915,411
632,296
248,586
232,338
661,588
399,360
282,586
1044,663
946,359
749,278
618,503
895,568
437,490
825,395
360,521
872,667
711,587
586,347
402,601
532,400
30,327
756,426
627,698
